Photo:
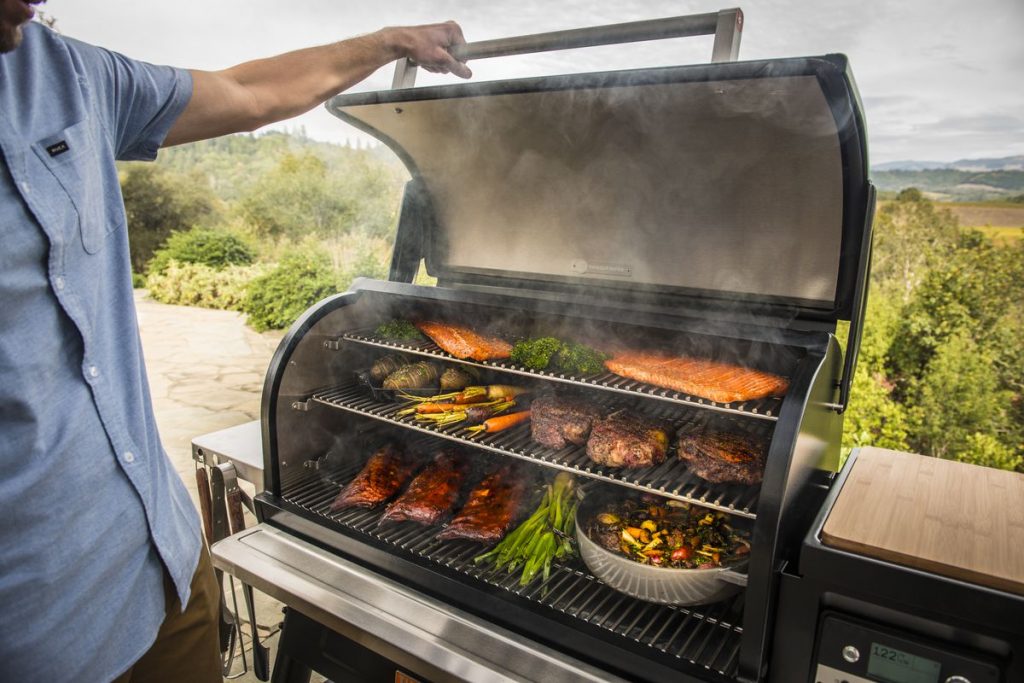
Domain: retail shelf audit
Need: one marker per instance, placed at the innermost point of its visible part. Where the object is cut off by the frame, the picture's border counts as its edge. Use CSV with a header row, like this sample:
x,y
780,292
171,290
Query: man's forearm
x,y
253,94
294,83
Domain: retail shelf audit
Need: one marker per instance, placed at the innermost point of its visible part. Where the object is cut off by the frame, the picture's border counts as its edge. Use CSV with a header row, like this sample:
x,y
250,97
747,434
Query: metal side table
x,y
223,458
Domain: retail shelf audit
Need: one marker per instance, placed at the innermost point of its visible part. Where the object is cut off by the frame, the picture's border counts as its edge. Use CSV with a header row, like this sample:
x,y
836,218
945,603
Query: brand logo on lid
x,y
58,148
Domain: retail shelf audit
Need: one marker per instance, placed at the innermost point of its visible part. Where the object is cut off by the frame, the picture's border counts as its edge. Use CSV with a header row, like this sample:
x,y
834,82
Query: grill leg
x,y
288,669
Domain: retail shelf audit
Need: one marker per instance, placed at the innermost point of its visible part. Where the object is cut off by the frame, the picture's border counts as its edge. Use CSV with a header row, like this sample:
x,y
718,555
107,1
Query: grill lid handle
x,y
726,25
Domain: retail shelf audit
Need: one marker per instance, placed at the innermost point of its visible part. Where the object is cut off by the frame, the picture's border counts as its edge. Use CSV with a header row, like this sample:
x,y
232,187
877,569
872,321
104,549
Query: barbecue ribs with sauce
x,y
556,422
434,492
723,458
490,509
626,439
384,474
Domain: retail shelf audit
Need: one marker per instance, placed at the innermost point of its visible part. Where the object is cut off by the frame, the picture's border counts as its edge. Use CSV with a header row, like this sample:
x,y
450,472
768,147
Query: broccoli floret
x,y
398,329
579,359
535,354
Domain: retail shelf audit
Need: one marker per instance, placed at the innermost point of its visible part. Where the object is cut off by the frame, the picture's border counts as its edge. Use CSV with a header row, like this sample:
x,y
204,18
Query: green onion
x,y
546,534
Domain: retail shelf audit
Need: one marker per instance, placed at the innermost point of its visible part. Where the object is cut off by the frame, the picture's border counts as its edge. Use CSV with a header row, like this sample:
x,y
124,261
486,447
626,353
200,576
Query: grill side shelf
x,y
764,409
672,478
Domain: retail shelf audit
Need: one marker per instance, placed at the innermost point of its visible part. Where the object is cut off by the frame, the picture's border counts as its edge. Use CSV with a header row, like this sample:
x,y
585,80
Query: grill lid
x,y
727,181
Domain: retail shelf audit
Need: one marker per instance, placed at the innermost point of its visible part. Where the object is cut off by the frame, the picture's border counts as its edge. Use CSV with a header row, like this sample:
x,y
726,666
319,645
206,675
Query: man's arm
x,y
253,94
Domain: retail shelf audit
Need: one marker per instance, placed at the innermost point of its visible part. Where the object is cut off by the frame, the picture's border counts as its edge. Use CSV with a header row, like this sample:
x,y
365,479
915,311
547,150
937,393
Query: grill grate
x,y
708,636
765,409
672,478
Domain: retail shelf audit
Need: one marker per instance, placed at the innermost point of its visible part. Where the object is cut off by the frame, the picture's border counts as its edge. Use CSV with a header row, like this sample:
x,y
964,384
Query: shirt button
x,y
94,371
24,187
59,282
129,456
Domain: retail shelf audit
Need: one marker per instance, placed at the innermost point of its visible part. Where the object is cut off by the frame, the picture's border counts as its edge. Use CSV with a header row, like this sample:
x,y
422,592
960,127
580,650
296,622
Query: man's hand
x,y
253,94
428,46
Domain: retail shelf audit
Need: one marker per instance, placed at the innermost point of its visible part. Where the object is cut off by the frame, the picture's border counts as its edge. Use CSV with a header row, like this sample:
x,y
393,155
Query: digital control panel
x,y
850,650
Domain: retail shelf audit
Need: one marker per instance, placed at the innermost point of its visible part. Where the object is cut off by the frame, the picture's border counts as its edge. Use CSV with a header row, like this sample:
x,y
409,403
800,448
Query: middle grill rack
x,y
671,478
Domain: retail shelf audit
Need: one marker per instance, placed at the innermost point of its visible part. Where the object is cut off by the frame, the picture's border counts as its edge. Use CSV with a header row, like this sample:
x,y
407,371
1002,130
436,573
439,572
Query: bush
x,y
213,248
302,277
196,284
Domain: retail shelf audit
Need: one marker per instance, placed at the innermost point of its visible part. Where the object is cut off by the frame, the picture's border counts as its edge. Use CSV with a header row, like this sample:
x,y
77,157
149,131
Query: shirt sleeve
x,y
138,102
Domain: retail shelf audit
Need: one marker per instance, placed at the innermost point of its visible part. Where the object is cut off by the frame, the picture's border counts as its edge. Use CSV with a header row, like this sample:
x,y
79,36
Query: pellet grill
x,y
722,210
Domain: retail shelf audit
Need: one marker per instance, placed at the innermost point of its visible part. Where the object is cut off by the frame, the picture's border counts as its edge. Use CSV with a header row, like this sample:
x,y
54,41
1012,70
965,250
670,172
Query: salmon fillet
x,y
463,342
720,382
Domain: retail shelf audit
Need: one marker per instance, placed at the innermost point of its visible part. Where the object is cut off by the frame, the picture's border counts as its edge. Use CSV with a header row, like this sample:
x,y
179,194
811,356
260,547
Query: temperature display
x,y
896,666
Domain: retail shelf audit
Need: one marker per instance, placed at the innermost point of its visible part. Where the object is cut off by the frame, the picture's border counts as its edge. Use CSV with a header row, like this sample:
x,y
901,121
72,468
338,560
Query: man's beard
x,y
10,38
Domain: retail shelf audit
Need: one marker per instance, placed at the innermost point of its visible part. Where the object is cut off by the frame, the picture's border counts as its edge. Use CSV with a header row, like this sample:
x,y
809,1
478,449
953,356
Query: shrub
x,y
302,277
213,248
196,284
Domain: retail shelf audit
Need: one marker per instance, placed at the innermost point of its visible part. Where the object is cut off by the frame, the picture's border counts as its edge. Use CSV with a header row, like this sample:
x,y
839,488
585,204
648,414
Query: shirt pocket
x,y
89,177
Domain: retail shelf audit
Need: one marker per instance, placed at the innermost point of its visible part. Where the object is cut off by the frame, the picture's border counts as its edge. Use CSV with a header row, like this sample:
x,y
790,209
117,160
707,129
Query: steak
x,y
557,422
626,439
434,492
384,474
723,458
490,509
720,382
462,342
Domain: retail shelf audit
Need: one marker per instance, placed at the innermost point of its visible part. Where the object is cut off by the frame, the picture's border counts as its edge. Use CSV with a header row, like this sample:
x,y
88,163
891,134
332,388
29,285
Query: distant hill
x,y
1012,163
233,162
962,180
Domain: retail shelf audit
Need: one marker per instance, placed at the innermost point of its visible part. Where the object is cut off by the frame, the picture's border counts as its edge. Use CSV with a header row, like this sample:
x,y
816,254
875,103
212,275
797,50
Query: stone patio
x,y
206,371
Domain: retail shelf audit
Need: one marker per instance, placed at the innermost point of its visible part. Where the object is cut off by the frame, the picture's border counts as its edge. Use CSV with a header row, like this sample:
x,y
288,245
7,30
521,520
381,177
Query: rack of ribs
x,y
434,492
384,474
491,507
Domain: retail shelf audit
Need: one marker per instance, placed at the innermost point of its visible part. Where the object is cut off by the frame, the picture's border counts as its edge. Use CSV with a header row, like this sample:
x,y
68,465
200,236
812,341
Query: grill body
x,y
319,425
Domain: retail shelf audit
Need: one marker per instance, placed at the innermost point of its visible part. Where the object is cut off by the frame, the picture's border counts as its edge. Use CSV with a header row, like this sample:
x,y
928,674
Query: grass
x,y
1001,221
1002,234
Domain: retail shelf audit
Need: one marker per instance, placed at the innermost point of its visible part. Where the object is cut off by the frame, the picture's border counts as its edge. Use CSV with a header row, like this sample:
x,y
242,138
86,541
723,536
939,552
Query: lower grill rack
x,y
707,636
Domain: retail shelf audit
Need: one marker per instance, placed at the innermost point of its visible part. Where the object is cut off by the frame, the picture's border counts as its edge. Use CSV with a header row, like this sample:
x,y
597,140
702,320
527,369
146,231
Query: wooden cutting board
x,y
961,521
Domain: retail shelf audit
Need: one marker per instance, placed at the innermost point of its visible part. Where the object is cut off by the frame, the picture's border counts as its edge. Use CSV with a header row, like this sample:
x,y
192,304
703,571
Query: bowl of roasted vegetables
x,y
662,550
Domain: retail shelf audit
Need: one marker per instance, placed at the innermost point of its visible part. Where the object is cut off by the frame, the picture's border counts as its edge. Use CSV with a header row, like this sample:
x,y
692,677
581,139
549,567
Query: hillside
x,y
233,163
952,184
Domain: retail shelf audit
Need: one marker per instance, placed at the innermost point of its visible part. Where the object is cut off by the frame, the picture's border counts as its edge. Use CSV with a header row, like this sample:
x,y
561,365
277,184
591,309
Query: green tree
x,y
874,417
297,198
958,397
911,236
159,202
977,290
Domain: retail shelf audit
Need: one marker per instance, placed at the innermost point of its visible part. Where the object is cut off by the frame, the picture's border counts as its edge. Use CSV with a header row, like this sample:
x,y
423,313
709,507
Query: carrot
x,y
496,424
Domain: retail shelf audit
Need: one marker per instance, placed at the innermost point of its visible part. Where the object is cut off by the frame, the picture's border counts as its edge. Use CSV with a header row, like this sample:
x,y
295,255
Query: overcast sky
x,y
940,79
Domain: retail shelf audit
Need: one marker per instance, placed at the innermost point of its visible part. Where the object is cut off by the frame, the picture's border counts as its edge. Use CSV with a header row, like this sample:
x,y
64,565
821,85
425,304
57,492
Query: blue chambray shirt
x,y
90,505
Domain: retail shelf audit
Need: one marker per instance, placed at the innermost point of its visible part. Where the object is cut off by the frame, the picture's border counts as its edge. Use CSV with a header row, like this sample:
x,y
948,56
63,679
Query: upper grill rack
x,y
765,409
707,636
672,478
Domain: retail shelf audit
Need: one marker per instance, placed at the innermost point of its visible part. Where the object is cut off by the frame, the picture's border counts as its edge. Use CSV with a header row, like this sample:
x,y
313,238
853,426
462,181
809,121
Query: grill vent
x,y
765,409
707,636
672,478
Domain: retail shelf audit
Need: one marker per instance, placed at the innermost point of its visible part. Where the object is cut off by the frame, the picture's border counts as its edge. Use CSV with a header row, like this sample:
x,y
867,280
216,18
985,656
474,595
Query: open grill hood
x,y
729,182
